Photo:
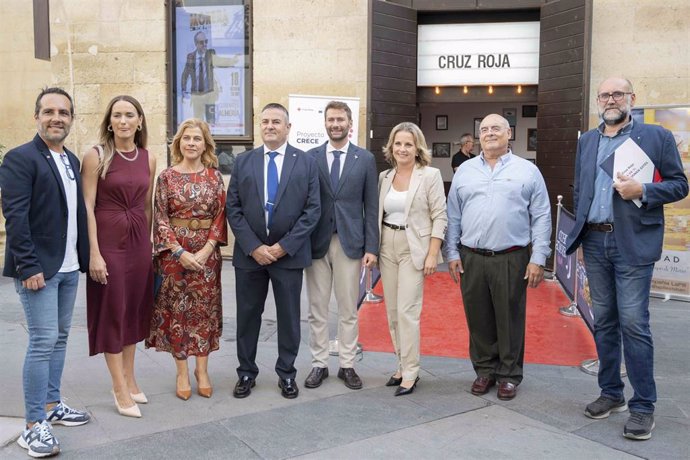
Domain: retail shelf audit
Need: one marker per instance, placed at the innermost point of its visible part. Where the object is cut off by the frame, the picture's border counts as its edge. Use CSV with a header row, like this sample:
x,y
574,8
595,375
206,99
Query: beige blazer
x,y
425,210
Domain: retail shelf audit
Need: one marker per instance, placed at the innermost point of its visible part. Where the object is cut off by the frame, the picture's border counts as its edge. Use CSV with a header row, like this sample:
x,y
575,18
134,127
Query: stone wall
x,y
646,42
314,47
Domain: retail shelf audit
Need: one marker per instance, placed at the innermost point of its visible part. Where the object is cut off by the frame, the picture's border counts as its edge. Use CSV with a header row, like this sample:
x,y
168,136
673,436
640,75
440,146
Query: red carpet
x,y
551,337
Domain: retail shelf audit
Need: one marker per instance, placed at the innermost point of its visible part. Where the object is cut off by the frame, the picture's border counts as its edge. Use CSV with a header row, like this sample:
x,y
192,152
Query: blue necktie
x,y
271,185
335,170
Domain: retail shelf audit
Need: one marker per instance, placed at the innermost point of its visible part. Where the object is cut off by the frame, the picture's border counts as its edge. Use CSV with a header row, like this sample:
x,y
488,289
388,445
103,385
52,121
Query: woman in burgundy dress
x,y
189,226
118,184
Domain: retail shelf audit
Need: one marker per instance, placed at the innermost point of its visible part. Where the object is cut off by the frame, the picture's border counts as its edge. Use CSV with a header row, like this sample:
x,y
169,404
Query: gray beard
x,y
615,121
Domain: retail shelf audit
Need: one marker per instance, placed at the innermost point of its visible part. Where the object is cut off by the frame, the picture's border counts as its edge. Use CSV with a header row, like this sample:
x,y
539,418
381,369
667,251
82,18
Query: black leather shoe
x,y
402,391
394,382
315,377
288,388
350,377
243,387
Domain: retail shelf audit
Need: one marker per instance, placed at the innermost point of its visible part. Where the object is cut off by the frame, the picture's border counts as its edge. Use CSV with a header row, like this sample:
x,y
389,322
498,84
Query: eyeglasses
x,y
494,129
205,42
616,95
68,166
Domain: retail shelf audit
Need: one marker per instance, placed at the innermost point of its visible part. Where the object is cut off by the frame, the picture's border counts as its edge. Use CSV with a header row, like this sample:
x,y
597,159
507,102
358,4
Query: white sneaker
x,y
62,414
39,440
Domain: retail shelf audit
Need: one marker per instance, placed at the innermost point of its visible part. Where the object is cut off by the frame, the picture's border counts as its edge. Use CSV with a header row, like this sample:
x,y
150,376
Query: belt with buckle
x,y
395,227
490,253
192,224
605,227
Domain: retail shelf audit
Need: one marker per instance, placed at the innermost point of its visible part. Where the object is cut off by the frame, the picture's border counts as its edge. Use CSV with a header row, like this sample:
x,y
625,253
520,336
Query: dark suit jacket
x,y
352,209
295,213
35,209
190,72
639,231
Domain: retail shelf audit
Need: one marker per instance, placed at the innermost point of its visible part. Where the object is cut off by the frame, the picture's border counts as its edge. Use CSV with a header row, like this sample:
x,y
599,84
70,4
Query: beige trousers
x,y
335,271
403,287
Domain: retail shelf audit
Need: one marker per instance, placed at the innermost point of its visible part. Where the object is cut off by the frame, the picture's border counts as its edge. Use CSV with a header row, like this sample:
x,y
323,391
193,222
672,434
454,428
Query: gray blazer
x,y
352,209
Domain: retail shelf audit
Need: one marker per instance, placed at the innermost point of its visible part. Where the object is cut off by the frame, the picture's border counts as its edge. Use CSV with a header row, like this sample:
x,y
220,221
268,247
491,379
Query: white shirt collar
x,y
344,149
281,150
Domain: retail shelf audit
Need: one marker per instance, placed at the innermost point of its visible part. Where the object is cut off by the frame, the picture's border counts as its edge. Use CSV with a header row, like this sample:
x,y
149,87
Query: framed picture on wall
x,y
441,122
440,150
529,111
510,115
532,139
477,123
512,133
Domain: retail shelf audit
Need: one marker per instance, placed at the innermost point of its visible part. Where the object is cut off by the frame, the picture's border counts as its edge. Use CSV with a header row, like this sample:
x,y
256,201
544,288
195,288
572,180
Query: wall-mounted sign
x,y
503,53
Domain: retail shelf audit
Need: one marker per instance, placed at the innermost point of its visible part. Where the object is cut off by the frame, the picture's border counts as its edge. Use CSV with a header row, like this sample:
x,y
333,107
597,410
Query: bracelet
x,y
177,254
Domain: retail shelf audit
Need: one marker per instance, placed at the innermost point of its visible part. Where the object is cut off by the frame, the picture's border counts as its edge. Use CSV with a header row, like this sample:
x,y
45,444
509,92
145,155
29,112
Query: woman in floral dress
x,y
189,226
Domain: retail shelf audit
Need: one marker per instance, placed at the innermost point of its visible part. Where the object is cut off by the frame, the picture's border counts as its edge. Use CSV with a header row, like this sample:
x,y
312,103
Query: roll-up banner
x,y
565,264
307,119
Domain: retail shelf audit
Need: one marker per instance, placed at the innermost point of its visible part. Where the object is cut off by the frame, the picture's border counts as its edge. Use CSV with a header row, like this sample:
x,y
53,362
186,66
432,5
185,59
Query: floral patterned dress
x,y
188,312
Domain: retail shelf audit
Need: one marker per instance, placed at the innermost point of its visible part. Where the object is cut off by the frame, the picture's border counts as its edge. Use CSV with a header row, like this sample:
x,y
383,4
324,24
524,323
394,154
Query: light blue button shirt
x,y
601,210
498,209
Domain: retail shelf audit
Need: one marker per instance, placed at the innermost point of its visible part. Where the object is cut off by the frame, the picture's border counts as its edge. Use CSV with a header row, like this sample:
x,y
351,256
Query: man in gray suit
x,y
345,238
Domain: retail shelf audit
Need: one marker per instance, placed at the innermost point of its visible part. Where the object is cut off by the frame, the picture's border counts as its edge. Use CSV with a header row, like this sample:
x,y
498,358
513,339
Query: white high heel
x,y
139,398
128,411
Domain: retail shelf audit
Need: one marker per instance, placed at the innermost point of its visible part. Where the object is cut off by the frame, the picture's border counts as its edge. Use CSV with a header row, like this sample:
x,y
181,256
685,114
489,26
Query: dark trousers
x,y
494,294
251,290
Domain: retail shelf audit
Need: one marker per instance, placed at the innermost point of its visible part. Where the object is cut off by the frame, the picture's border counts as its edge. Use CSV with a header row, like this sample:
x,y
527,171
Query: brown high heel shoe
x,y
182,394
205,392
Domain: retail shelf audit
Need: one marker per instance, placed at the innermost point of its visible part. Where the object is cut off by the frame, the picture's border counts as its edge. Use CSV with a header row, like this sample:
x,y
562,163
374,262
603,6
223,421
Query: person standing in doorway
x,y
465,152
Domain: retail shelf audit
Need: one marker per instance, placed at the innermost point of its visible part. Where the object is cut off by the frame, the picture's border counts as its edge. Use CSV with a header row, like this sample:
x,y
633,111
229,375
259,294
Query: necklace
x,y
136,154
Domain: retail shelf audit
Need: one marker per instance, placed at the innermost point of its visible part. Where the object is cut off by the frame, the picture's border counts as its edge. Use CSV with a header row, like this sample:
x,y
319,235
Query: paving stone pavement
x,y
441,419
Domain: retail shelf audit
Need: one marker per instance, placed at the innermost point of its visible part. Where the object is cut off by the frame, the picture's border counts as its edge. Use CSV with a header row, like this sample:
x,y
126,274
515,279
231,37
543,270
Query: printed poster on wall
x,y
307,118
672,271
210,67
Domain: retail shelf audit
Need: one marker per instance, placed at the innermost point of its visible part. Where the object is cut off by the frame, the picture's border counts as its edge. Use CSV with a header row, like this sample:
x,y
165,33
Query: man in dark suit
x,y
47,246
345,238
621,241
198,71
272,208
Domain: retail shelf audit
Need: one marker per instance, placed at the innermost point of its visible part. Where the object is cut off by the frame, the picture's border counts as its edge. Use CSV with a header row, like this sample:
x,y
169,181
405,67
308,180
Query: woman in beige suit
x,y
412,216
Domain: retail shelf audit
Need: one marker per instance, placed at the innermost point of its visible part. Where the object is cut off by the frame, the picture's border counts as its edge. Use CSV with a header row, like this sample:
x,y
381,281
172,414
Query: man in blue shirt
x,y
621,242
497,207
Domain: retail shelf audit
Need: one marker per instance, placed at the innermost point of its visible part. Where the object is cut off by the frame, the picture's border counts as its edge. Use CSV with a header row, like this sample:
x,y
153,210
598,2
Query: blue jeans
x,y
620,299
48,314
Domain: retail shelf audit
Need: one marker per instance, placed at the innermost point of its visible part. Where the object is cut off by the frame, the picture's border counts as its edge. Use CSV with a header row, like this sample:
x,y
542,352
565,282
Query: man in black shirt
x,y
465,152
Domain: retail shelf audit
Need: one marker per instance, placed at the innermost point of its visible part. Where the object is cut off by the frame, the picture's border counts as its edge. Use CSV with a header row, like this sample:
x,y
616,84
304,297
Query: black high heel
x,y
402,391
393,381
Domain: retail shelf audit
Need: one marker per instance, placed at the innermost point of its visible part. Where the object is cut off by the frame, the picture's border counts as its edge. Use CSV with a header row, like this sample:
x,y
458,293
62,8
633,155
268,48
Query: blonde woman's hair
x,y
208,158
422,155
107,137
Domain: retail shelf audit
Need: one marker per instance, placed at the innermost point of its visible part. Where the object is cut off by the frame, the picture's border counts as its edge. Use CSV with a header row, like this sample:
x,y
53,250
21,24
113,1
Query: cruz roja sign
x,y
505,53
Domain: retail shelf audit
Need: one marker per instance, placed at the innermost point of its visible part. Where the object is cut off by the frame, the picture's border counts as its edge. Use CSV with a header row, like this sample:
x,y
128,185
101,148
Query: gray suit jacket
x,y
352,208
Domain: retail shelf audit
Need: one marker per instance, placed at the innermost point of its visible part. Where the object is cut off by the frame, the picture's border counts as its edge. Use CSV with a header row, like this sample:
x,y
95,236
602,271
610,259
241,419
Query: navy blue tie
x,y
335,170
271,185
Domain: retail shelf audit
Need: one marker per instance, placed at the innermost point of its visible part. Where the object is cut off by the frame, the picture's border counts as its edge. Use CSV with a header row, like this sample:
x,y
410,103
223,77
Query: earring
x,y
139,128
110,128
